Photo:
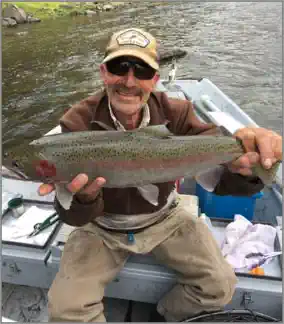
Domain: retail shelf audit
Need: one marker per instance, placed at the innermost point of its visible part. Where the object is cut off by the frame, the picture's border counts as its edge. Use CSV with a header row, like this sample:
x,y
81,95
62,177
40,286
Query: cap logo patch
x,y
132,37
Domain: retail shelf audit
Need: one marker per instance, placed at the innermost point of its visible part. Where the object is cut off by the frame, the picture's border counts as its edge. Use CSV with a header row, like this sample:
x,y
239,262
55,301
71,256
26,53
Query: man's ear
x,y
103,72
156,77
103,67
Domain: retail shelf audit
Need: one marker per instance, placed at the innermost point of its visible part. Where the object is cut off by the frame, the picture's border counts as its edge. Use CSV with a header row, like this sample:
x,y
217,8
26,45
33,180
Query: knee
x,y
224,286
215,291
70,302
59,304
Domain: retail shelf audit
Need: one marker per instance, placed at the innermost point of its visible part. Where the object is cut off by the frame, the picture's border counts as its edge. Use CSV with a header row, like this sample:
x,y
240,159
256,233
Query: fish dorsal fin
x,y
156,130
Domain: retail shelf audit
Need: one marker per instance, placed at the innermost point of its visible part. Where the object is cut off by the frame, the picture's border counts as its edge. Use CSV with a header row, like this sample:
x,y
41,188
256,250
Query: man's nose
x,y
130,80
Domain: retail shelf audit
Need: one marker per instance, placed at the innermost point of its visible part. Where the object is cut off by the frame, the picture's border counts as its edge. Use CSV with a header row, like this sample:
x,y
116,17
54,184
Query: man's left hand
x,y
261,145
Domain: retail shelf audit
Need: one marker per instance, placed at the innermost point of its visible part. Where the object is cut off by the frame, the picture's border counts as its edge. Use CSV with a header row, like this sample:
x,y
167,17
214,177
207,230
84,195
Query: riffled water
x,y
49,66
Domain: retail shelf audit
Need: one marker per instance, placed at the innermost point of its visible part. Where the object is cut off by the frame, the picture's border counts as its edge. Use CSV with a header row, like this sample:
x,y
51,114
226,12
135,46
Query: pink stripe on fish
x,y
167,163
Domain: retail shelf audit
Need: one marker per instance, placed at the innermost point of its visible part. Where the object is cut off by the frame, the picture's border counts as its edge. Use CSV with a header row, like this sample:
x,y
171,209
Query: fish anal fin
x,y
150,193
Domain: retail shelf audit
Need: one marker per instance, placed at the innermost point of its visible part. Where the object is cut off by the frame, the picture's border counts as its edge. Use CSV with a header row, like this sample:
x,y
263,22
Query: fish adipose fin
x,y
64,196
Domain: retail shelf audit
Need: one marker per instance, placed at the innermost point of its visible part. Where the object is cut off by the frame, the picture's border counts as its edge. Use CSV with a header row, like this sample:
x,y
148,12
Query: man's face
x,y
129,82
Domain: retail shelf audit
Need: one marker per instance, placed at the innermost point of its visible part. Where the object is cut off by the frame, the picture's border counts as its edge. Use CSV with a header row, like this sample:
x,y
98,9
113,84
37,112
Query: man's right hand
x,y
76,186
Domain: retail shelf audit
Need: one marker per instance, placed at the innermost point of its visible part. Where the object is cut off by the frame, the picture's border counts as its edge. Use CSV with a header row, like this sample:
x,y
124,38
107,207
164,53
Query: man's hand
x,y
261,145
76,187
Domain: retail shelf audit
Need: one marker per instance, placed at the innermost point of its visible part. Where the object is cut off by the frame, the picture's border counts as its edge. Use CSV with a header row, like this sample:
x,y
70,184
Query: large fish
x,y
124,158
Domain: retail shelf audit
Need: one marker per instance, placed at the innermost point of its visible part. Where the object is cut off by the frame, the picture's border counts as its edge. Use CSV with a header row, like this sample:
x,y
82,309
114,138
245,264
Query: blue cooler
x,y
226,206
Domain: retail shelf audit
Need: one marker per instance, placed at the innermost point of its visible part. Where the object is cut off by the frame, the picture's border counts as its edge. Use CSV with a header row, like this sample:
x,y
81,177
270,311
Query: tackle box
x,y
226,206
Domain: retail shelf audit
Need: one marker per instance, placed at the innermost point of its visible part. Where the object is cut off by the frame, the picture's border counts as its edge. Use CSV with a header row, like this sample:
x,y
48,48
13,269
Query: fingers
x,y
243,171
277,147
243,164
264,141
247,160
247,136
77,183
94,187
265,149
90,192
45,189
80,181
77,186
270,148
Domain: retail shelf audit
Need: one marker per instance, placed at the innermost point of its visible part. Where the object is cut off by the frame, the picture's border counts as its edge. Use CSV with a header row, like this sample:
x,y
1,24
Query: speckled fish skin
x,y
127,159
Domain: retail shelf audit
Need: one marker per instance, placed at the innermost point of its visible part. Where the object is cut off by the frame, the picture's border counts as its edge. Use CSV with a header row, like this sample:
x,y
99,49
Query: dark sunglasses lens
x,y
121,68
118,67
143,72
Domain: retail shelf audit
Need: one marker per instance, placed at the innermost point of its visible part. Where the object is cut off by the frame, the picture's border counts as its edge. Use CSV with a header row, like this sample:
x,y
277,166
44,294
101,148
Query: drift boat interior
x,y
33,262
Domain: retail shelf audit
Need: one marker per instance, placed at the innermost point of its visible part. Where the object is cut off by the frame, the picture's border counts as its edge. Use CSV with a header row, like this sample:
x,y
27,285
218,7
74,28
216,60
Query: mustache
x,y
142,86
134,90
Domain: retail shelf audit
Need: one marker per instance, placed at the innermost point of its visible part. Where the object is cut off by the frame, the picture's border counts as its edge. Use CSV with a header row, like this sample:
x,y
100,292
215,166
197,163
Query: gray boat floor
x,y
29,304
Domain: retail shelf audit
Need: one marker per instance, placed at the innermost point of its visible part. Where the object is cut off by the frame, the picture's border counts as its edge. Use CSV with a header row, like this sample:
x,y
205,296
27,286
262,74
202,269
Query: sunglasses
x,y
121,66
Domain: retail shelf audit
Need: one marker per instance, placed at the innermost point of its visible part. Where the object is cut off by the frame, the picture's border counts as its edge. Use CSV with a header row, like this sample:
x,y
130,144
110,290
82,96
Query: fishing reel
x,y
233,316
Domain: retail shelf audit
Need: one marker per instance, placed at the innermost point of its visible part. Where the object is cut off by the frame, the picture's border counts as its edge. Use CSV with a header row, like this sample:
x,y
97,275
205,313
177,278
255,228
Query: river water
x,y
51,65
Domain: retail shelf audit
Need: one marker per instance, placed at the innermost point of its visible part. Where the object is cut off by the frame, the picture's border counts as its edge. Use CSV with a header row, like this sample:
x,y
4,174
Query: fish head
x,y
28,164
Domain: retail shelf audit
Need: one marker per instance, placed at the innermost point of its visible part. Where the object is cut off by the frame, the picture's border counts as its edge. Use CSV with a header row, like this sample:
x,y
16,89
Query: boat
x,y
142,281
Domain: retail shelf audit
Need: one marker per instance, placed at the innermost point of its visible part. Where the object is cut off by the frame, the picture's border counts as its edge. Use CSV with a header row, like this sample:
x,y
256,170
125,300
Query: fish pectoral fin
x,y
150,193
64,196
156,130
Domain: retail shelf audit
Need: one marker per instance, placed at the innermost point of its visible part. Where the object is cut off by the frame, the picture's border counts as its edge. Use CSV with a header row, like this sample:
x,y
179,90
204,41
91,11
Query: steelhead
x,y
126,158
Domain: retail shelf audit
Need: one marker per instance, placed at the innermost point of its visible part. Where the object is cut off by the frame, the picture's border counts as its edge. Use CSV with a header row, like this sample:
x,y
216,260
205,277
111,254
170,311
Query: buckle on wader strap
x,y
130,238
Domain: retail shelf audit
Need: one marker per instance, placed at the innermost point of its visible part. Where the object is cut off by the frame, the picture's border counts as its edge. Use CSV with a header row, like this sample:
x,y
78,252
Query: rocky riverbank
x,y
28,12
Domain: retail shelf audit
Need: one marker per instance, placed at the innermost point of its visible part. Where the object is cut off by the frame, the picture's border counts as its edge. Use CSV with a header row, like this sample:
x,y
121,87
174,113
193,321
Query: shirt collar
x,y
144,122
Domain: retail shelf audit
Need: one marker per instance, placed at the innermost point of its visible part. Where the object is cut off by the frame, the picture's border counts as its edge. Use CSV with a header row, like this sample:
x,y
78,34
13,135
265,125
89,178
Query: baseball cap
x,y
133,42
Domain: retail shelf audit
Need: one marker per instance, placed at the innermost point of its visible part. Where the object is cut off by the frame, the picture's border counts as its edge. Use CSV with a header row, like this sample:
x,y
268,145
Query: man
x,y
98,248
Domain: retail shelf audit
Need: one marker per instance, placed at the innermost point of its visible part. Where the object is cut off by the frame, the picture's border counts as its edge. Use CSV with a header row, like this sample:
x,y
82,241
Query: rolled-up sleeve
x,y
79,213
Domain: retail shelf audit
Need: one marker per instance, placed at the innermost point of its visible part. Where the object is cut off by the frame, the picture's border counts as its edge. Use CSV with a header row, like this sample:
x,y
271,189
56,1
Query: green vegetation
x,y
44,10
39,9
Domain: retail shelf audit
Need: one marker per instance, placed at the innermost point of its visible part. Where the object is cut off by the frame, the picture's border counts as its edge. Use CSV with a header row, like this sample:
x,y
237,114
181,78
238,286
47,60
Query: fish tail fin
x,y
267,176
